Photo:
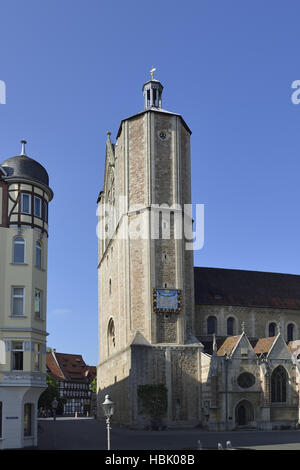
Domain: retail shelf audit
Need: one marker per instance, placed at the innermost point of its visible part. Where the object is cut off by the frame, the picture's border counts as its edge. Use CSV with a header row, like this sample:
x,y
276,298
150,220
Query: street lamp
x,y
54,405
108,410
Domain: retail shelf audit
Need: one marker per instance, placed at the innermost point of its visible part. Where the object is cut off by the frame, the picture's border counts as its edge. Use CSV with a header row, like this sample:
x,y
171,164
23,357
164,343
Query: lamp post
x,y
108,410
54,405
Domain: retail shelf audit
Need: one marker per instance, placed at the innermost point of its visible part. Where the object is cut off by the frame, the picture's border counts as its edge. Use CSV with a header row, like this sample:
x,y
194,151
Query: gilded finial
x,y
152,72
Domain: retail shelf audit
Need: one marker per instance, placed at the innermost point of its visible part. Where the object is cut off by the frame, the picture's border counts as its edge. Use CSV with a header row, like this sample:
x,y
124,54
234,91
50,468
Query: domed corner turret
x,y
25,192
22,168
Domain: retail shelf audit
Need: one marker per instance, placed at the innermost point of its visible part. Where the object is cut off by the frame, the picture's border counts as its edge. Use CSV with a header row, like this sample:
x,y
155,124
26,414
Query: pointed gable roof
x,y
109,159
229,345
264,345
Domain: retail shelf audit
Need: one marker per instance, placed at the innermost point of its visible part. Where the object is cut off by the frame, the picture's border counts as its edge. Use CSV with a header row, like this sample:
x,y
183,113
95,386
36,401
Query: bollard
x,y
199,445
228,445
75,414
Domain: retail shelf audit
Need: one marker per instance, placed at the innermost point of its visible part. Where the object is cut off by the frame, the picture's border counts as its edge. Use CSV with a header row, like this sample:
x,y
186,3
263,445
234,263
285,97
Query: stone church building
x,y
221,342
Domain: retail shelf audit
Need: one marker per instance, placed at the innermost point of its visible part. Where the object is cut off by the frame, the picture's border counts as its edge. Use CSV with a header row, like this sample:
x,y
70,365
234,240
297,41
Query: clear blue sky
x,y
75,69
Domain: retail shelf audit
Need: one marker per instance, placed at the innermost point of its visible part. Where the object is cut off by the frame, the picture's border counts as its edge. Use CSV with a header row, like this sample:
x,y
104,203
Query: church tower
x,y
145,271
24,198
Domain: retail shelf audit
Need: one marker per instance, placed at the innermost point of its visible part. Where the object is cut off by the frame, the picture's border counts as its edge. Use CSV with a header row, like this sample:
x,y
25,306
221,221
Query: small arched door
x,y
244,414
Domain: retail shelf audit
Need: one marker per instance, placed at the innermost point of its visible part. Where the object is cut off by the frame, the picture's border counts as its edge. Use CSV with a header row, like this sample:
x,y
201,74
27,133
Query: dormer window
x,y
37,206
25,203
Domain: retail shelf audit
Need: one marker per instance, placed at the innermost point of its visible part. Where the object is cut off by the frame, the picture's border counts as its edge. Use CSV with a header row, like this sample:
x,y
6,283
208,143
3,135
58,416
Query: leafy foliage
x,y
48,395
153,400
93,385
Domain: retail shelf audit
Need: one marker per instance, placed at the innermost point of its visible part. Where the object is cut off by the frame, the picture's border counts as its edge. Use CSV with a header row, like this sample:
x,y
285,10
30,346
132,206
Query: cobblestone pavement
x,y
88,433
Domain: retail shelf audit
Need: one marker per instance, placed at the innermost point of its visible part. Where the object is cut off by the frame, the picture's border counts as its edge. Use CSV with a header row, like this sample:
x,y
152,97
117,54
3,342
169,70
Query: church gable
x,y
243,349
109,170
279,350
237,347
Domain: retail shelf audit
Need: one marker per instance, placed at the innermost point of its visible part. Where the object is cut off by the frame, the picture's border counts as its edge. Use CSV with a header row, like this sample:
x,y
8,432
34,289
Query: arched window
x,y
272,329
290,332
19,250
109,286
211,325
278,385
111,338
230,326
38,254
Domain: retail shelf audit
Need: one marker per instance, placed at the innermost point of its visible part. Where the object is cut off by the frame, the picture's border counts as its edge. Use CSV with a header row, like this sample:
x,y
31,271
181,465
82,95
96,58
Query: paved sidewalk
x,y
90,434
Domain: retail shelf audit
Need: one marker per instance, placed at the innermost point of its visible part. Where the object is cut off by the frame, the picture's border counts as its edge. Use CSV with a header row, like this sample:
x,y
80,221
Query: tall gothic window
x,y
272,329
0,419
290,332
111,337
211,325
278,385
230,326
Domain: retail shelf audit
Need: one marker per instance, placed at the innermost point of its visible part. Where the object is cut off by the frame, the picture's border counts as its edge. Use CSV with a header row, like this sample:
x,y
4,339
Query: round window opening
x,y
246,380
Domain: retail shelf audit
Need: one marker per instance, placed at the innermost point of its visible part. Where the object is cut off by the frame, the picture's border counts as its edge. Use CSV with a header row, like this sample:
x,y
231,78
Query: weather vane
x,y
152,72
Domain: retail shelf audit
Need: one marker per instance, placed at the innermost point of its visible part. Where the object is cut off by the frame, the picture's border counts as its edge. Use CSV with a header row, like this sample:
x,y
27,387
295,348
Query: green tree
x,y
48,395
153,401
93,385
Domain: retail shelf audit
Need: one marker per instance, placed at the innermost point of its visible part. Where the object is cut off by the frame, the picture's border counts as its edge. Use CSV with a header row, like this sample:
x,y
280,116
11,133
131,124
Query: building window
x,y
18,301
211,325
272,329
25,203
37,303
278,385
38,254
45,216
290,332
230,326
111,337
109,288
27,419
0,419
37,206
17,355
37,357
19,250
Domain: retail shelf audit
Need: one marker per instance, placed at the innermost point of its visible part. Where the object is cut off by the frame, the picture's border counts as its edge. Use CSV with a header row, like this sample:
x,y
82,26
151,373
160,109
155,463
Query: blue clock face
x,y
167,300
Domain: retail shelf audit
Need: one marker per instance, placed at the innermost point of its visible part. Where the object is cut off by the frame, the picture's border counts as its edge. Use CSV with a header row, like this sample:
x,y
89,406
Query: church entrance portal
x,y
244,415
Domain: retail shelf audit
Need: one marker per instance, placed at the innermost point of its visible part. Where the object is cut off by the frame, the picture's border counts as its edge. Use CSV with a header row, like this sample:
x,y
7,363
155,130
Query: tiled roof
x,y
264,345
91,371
53,367
70,367
216,286
228,345
294,346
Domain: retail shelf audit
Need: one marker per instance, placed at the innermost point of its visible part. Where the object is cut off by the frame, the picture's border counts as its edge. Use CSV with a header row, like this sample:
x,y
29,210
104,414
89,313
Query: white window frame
x,y
29,198
38,314
17,296
40,207
37,357
18,242
14,350
38,244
